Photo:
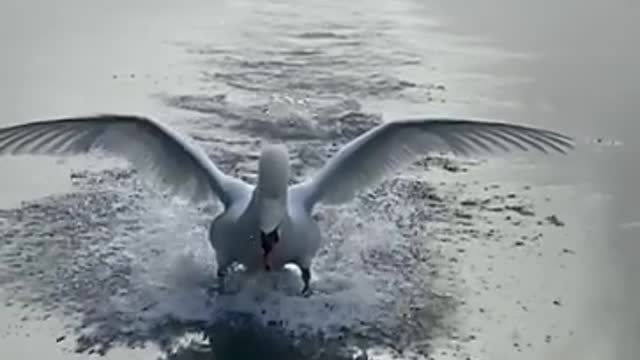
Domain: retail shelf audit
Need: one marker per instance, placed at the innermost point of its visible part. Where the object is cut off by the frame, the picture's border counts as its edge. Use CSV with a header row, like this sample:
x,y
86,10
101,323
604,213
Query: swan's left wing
x,y
154,149
390,146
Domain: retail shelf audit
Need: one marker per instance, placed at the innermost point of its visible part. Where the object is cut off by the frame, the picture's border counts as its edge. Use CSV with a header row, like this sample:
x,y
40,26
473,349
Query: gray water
x,y
519,258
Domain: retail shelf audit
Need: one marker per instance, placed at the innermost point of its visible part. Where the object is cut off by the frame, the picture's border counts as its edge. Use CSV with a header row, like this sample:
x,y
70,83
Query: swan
x,y
269,224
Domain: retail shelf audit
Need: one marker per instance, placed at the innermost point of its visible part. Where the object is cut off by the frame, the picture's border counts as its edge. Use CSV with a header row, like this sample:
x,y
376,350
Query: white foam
x,y
174,269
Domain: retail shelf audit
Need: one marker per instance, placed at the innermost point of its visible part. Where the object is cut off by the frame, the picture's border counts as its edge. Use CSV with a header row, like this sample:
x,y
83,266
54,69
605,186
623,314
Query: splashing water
x,y
130,266
127,266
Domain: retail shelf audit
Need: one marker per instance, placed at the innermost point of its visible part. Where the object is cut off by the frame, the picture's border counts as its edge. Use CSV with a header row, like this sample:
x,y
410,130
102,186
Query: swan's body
x,y
270,224
298,234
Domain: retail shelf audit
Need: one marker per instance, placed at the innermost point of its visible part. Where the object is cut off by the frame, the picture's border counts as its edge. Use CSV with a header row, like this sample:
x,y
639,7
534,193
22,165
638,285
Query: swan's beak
x,y
268,241
272,211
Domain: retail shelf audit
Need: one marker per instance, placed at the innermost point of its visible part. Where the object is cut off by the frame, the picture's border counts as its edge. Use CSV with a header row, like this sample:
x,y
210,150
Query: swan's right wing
x,y
379,152
152,148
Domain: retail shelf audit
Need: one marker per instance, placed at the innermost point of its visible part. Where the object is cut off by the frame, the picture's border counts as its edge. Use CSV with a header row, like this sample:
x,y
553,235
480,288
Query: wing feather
x,y
152,148
386,148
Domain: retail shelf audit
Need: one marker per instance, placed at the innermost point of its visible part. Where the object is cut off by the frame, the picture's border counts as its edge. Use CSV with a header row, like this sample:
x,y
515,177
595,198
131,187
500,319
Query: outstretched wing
x,y
388,147
152,148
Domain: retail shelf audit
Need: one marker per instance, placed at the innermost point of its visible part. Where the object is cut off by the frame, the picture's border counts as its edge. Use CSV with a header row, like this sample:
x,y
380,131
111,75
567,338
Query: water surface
x,y
524,258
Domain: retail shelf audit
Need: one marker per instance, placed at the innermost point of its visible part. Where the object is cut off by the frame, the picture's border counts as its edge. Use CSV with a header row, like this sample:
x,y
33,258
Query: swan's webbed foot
x,y
306,279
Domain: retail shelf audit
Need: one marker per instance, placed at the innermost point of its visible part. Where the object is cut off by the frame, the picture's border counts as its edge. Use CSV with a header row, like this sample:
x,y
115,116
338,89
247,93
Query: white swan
x,y
268,225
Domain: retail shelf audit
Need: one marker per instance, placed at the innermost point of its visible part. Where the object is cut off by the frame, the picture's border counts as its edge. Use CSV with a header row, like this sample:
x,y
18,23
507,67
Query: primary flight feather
x,y
276,214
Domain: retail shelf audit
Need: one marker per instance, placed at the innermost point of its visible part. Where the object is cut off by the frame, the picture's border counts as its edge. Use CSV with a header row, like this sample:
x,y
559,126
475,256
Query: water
x,y
499,259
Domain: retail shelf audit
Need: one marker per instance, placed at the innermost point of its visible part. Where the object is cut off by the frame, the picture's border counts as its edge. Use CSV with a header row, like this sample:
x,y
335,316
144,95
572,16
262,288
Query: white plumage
x,y
277,214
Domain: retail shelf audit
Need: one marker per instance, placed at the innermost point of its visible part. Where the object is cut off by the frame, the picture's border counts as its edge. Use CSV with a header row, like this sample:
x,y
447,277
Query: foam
x,y
144,262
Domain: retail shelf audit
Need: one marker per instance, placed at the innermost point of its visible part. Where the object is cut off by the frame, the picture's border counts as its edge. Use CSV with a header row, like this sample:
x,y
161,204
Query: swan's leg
x,y
222,276
305,269
222,272
306,279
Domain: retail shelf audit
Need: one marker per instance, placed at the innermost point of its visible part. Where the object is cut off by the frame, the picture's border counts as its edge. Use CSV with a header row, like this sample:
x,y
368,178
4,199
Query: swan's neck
x,y
271,191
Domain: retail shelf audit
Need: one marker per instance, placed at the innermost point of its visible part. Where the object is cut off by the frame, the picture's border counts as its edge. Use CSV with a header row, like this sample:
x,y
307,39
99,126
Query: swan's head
x,y
273,178
273,181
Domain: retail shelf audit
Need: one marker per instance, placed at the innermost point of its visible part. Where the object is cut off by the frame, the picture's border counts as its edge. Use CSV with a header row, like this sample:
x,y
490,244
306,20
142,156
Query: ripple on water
x,y
134,270
126,267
